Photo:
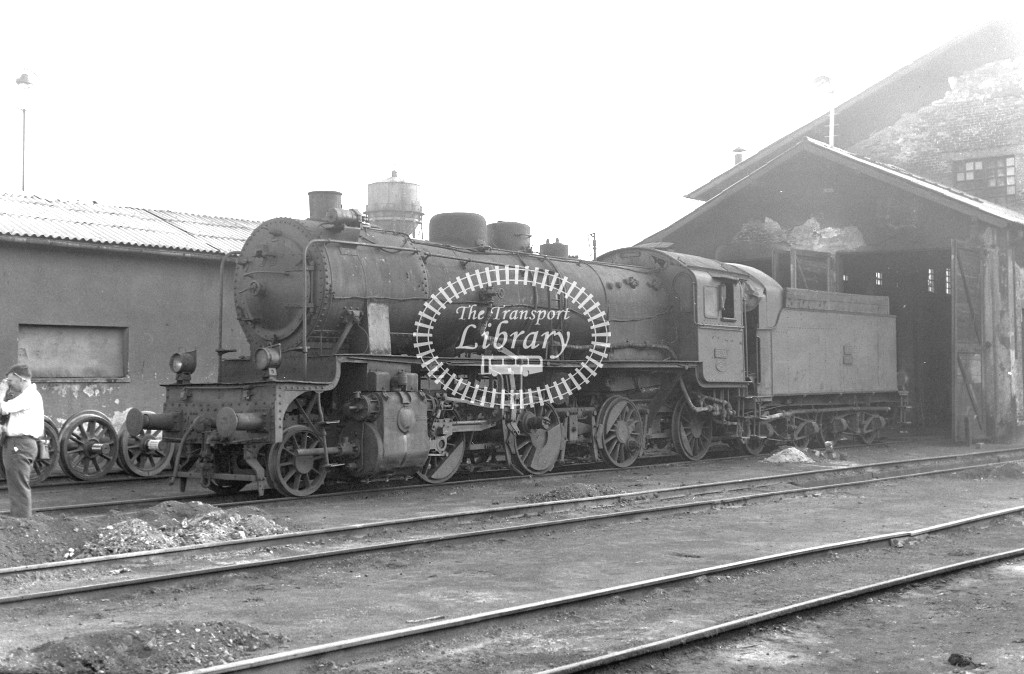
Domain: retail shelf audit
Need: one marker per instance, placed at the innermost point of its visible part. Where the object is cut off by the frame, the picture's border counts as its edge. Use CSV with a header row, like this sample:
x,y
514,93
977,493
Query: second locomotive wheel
x,y
619,432
533,447
143,455
691,431
297,466
87,445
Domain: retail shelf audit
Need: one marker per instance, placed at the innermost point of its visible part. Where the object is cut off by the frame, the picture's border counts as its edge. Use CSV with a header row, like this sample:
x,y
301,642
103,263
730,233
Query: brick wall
x,y
981,116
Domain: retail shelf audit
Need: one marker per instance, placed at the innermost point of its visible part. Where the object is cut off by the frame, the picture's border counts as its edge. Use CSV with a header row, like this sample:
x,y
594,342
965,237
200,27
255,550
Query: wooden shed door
x,y
969,414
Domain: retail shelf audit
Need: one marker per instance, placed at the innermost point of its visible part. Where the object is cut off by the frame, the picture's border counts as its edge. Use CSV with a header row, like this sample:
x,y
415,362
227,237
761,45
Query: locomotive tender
x,y
375,355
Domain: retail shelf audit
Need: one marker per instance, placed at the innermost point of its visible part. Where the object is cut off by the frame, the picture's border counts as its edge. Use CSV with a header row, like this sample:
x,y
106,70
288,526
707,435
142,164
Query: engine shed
x,y
951,265
97,298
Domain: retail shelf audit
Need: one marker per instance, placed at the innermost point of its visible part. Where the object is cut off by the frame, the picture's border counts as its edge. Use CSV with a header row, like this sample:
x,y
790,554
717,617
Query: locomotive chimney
x,y
321,204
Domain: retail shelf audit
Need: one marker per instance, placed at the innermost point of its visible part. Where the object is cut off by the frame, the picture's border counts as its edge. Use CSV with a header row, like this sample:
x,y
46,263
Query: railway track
x,y
343,595
174,564
360,490
545,635
61,483
350,489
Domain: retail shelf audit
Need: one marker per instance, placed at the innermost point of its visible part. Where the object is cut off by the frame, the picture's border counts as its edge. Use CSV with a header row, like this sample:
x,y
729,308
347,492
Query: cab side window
x,y
720,299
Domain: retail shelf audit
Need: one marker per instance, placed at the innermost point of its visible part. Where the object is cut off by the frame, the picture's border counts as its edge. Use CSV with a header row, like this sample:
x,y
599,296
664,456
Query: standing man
x,y
21,444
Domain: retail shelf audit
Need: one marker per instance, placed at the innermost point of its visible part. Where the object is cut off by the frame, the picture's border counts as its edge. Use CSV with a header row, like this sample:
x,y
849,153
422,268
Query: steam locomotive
x,y
378,355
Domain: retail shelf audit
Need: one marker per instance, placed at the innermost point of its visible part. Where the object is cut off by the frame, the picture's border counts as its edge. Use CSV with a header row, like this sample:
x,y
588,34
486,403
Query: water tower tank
x,y
394,205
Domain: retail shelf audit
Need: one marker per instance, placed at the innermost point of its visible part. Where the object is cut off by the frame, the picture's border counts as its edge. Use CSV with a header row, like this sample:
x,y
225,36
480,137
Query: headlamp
x,y
267,357
183,363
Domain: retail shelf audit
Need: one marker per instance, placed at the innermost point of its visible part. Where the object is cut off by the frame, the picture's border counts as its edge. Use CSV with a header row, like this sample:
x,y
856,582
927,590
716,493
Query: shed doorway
x,y
920,287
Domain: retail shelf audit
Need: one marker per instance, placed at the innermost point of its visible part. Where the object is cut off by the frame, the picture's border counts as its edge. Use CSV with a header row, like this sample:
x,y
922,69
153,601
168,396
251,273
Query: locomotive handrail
x,y
463,258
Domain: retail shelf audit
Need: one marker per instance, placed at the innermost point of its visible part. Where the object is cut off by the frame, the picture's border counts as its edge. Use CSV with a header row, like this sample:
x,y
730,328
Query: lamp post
x,y
24,84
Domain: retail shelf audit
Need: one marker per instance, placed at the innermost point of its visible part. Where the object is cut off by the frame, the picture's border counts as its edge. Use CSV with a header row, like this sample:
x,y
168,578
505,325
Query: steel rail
x,y
410,542
520,509
1018,452
774,614
282,660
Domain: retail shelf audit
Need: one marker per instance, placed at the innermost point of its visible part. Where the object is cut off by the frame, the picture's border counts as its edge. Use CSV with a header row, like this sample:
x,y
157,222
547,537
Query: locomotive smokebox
x,y
322,204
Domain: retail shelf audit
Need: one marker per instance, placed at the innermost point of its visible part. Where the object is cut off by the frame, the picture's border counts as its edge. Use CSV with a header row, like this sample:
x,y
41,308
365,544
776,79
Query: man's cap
x,y
21,370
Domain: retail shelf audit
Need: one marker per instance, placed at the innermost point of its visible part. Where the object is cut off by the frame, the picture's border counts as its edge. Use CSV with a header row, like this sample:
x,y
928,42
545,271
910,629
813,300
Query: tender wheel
x,y
761,436
803,431
445,457
292,473
533,446
142,455
870,429
619,432
41,468
691,433
88,446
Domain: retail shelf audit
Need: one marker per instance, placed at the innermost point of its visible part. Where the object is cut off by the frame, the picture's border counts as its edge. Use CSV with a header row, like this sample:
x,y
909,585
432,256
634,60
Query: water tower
x,y
394,205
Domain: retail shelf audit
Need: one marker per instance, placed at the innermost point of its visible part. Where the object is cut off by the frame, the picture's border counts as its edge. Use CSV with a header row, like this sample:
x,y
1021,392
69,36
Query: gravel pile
x,y
51,538
146,649
164,530
789,455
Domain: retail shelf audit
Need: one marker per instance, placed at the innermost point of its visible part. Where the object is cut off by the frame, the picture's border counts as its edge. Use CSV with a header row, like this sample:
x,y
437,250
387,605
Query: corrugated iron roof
x,y
37,217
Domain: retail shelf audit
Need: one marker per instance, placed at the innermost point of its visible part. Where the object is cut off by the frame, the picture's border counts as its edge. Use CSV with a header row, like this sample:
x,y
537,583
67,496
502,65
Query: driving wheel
x,y
535,441
691,432
445,454
619,431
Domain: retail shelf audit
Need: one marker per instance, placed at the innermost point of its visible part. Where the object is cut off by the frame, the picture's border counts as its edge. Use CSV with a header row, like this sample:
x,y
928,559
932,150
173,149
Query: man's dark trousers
x,y
19,454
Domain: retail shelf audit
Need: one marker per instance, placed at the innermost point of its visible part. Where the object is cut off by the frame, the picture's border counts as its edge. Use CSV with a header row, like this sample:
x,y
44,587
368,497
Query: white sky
x,y
573,117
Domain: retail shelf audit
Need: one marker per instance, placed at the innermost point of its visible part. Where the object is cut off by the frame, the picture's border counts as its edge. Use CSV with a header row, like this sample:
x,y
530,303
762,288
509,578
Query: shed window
x,y
74,351
993,178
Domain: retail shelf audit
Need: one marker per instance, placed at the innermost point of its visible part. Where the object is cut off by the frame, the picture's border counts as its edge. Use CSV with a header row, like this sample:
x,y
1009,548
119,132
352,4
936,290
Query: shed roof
x,y
40,218
970,205
880,105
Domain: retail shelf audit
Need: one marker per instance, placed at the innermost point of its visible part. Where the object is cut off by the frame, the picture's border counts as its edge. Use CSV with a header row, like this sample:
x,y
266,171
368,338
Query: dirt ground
x,y
975,616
